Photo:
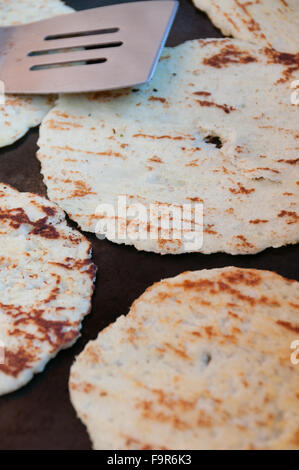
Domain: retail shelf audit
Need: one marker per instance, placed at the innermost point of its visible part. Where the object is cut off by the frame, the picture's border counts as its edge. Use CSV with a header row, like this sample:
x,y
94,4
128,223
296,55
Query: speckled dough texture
x,y
273,23
202,361
21,112
215,126
46,284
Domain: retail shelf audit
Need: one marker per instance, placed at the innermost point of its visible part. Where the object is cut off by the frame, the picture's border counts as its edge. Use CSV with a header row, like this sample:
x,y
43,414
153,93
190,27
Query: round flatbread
x,y
20,113
46,284
202,361
273,23
215,126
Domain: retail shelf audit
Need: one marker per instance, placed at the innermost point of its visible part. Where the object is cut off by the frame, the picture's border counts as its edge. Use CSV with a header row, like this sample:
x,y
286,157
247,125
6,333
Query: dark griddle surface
x,y
40,416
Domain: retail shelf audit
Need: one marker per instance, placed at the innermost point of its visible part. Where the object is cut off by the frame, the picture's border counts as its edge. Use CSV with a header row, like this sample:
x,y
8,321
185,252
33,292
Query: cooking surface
x,y
40,416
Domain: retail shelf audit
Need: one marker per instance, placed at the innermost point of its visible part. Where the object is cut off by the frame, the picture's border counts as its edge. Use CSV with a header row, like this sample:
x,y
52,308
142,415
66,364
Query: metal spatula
x,y
98,49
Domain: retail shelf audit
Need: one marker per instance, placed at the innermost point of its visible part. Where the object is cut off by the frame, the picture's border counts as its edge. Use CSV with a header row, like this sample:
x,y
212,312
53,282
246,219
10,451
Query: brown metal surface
x,y
40,415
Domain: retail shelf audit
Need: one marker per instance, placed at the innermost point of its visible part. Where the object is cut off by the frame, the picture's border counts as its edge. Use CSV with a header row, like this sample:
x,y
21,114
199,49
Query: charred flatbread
x,y
215,126
46,284
202,361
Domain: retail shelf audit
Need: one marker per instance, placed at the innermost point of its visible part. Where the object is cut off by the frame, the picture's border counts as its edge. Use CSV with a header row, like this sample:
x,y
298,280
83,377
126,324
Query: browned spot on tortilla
x,y
203,419
293,217
267,169
202,93
16,217
245,243
234,315
200,284
16,362
248,278
48,210
62,125
55,333
258,221
230,54
169,402
288,326
61,114
295,439
157,98
45,230
178,137
70,264
210,331
231,21
246,298
192,163
13,102
239,149
81,189
241,190
290,61
164,57
148,412
108,153
248,20
226,108
155,159
293,305
209,229
290,162
195,199
196,333
180,352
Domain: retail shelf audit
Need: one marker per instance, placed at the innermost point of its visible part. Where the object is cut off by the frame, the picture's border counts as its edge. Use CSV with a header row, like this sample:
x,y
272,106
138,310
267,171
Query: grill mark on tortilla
x,y
229,54
47,320
226,108
164,136
178,404
288,325
258,221
241,190
202,93
290,161
256,21
157,98
17,217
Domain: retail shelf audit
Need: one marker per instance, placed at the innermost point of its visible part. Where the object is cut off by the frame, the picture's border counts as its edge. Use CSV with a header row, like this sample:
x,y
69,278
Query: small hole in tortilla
x,y
206,358
214,140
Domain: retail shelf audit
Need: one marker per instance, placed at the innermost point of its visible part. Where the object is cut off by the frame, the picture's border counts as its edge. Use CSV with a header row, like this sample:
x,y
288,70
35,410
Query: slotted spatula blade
x,y
98,49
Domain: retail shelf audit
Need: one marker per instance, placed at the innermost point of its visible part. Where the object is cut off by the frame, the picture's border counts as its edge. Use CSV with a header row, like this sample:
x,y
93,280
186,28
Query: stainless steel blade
x,y
98,49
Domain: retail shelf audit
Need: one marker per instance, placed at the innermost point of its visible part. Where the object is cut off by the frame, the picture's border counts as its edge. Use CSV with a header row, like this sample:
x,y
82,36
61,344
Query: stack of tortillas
x,y
215,126
202,361
46,284
273,23
22,112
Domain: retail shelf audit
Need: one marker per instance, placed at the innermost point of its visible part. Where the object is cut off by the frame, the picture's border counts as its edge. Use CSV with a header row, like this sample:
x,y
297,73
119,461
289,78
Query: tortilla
x,y
202,361
272,23
46,284
158,145
20,112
